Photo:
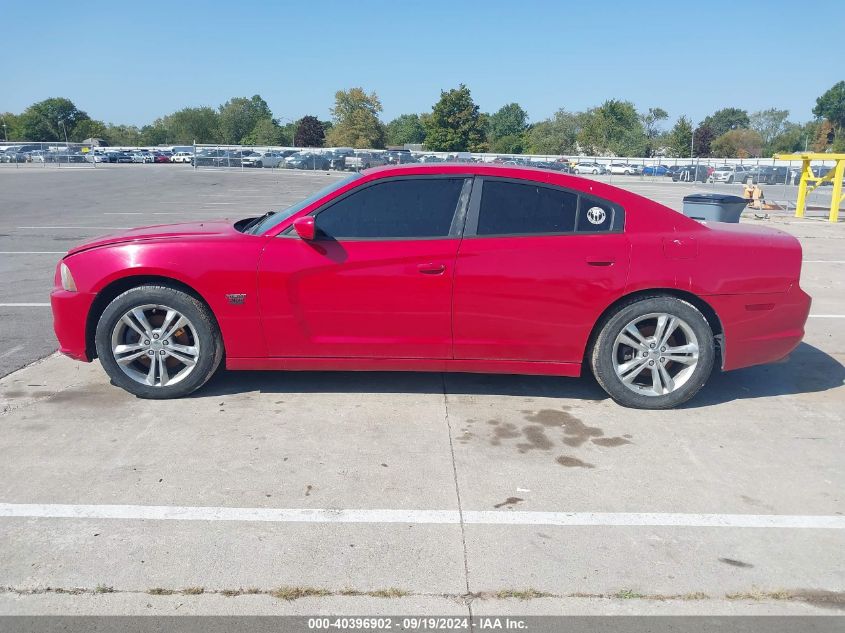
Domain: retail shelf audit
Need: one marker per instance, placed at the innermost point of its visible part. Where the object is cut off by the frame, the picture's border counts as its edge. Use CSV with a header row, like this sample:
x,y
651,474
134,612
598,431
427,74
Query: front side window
x,y
509,208
411,208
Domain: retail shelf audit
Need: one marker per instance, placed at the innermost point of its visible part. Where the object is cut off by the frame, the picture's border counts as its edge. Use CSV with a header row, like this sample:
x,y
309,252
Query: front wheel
x,y
158,342
653,353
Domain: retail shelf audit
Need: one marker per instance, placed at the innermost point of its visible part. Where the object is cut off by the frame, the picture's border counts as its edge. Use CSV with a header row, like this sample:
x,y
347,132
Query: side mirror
x,y
305,227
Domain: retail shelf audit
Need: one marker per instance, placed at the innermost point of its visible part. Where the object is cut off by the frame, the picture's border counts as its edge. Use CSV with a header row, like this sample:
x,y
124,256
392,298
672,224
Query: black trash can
x,y
714,207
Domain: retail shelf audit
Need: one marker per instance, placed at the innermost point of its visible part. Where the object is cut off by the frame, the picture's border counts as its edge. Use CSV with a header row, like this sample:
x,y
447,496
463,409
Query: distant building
x,y
95,142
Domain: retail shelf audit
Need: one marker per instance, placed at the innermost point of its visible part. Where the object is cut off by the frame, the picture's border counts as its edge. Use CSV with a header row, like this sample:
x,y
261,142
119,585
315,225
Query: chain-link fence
x,y
47,154
779,178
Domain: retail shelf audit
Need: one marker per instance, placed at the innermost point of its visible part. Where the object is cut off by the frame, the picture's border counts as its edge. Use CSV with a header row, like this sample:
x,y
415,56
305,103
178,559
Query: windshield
x,y
276,218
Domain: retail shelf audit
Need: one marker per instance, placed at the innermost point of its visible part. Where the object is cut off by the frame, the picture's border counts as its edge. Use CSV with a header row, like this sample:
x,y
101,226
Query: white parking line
x,y
447,517
824,261
32,252
9,352
827,316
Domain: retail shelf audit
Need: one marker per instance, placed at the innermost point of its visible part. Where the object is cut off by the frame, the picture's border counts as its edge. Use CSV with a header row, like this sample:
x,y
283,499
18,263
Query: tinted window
x,y
595,215
509,208
421,207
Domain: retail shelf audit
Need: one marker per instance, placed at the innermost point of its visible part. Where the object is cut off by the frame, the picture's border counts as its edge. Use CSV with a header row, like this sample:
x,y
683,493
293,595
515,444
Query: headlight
x,y
67,279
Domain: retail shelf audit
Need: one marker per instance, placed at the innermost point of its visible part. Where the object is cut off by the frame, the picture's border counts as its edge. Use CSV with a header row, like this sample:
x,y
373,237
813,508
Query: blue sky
x,y
130,62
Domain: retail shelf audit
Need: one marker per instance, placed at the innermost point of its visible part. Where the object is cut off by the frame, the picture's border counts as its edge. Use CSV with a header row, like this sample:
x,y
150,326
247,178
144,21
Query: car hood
x,y
160,232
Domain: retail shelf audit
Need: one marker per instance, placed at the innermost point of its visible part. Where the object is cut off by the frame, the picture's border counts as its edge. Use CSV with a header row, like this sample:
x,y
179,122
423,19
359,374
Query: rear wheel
x,y
158,342
653,353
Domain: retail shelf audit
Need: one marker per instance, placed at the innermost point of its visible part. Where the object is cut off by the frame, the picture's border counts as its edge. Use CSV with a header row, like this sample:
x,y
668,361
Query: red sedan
x,y
466,268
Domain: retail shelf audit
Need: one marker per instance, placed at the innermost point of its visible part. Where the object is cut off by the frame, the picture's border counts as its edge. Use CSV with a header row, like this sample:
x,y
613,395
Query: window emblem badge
x,y
596,215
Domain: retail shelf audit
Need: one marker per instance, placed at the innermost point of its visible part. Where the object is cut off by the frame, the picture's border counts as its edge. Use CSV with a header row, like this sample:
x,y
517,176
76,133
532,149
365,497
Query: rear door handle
x,y
431,268
601,261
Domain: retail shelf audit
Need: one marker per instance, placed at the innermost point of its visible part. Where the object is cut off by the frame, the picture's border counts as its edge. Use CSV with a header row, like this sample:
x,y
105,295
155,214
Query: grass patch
x,y
757,595
160,591
295,593
391,592
192,591
101,588
628,594
521,594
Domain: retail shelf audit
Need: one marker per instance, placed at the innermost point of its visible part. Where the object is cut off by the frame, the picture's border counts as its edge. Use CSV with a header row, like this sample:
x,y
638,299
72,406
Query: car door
x,y
536,267
377,280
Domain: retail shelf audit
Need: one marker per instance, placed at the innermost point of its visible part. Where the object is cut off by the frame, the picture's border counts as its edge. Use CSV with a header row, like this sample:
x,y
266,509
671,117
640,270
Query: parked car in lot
x,y
182,157
161,157
399,157
372,273
365,160
728,174
769,175
142,157
691,173
262,159
655,170
97,157
620,169
589,168
308,160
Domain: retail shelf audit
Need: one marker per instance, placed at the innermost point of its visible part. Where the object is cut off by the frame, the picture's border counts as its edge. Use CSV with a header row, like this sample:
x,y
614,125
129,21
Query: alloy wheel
x,y
655,354
155,345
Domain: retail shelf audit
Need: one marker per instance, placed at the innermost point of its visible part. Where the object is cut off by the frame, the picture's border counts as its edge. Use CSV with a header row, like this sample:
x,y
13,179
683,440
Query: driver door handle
x,y
431,268
601,261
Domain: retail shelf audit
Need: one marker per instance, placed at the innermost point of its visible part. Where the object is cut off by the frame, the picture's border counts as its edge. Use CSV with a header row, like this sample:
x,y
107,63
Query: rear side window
x,y
595,215
413,208
509,208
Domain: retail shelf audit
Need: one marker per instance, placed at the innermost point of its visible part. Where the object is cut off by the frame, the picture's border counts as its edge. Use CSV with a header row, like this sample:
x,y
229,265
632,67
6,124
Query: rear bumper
x,y
761,328
70,315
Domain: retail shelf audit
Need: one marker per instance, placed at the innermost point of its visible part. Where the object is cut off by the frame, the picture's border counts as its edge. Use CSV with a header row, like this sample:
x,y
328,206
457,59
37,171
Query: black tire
x,y
259,164
602,359
730,180
206,330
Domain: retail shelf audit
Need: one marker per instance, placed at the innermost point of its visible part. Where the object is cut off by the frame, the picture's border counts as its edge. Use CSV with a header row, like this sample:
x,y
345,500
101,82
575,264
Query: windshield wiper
x,y
258,221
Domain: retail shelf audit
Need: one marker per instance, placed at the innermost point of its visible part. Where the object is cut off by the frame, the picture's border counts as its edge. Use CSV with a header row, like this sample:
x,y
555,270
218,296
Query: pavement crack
x,y
457,486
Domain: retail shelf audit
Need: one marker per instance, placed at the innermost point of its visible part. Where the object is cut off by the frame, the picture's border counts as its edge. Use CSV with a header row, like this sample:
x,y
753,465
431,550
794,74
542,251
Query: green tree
x,y
239,115
508,144
792,138
123,134
309,132
189,125
266,132
557,135
613,127
769,124
703,139
680,137
405,129
509,120
88,128
50,119
741,143
9,125
356,122
651,124
455,124
831,106
725,120
154,134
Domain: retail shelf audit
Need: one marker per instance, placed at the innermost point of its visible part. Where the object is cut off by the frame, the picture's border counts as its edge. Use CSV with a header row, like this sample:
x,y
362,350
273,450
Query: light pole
x,y
64,127
691,144
5,136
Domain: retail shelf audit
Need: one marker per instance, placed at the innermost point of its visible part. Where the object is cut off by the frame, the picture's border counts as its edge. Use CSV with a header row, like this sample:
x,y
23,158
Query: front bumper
x,y
761,328
70,316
